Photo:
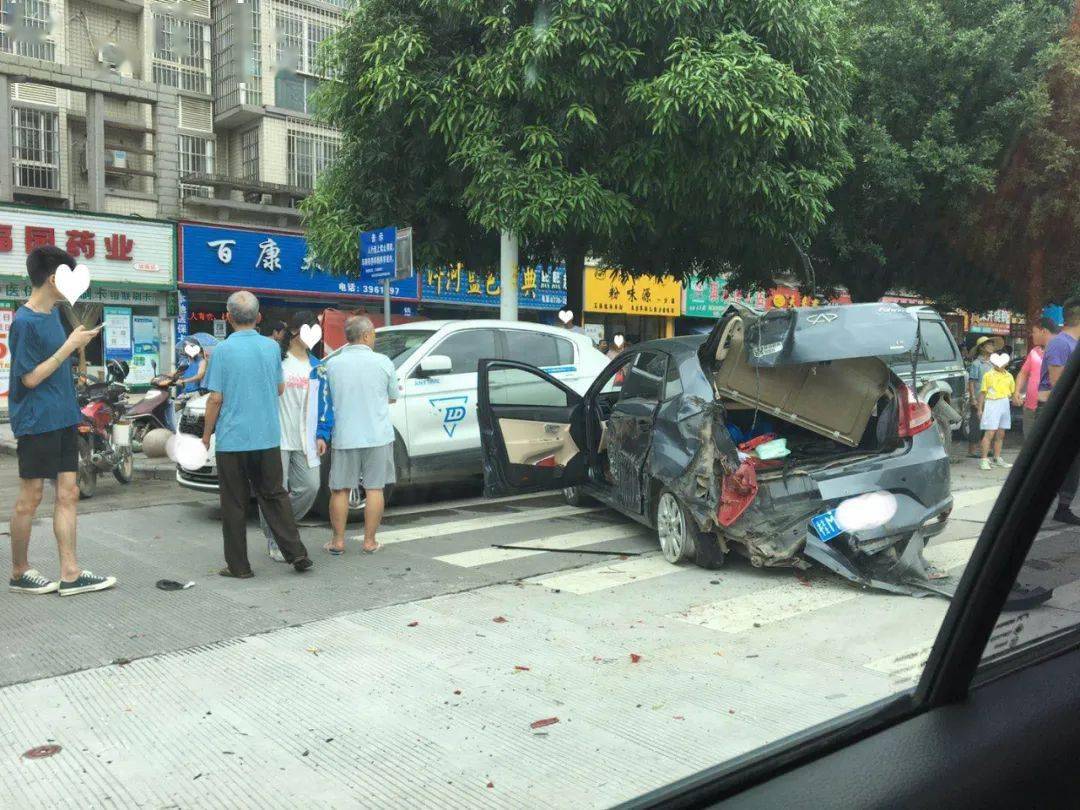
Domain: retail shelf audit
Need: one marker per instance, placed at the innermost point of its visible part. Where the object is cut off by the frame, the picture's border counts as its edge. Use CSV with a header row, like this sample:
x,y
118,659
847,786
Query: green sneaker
x,y
33,582
86,583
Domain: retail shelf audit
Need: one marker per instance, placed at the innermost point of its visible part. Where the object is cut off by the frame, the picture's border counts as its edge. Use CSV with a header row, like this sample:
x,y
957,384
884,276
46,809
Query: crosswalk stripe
x,y
464,503
446,527
971,497
740,613
559,542
950,555
598,577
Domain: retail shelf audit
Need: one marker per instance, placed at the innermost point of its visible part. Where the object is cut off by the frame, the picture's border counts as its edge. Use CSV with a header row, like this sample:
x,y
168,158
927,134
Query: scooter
x,y
104,433
151,409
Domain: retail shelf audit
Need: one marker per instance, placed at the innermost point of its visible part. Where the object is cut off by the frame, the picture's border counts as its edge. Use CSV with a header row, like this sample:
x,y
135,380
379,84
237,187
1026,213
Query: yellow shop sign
x,y
604,292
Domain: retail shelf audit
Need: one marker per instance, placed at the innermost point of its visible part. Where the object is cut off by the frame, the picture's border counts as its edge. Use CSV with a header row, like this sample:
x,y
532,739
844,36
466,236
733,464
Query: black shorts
x,y
44,455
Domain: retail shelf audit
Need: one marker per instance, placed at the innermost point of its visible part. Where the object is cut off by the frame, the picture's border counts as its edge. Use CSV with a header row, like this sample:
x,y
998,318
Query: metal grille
x,y
25,28
182,53
192,424
237,54
249,154
196,157
35,149
309,154
299,35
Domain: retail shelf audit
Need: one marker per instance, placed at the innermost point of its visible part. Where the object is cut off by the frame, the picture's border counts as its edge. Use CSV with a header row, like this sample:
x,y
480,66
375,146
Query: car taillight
x,y
915,415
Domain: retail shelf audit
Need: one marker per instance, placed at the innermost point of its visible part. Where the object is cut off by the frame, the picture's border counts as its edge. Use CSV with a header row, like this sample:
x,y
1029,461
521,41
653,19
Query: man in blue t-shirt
x,y
1058,352
44,412
245,381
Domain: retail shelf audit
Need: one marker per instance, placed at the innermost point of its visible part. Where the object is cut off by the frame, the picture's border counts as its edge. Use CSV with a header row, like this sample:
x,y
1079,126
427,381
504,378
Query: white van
x,y
437,437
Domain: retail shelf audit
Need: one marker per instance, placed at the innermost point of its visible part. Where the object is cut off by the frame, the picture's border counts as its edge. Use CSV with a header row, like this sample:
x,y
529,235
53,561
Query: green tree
x,y
945,88
1030,224
657,136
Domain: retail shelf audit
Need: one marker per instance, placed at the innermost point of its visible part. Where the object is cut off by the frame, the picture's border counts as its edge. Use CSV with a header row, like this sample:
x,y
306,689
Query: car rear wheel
x,y
673,529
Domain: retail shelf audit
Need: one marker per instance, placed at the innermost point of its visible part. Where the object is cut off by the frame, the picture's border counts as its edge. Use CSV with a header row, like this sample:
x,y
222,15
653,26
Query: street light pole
x,y
508,267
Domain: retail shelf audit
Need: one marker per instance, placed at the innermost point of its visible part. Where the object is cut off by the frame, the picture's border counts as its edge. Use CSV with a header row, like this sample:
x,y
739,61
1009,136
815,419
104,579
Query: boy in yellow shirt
x,y
995,417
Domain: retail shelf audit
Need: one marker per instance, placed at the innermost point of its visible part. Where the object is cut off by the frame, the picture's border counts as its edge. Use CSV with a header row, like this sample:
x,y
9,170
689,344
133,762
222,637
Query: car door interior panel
x,y
538,443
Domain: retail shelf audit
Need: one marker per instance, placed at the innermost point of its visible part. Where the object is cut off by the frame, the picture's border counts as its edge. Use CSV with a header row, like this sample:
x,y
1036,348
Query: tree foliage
x,y
945,88
661,136
1031,224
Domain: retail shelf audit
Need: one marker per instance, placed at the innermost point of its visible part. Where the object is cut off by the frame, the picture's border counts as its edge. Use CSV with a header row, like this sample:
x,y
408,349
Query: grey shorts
x,y
370,467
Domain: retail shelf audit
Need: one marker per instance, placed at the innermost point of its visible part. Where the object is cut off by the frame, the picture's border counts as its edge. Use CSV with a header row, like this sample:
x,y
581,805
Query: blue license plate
x,y
826,526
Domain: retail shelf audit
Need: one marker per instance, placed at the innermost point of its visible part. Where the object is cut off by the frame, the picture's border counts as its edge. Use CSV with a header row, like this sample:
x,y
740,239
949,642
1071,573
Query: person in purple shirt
x,y
1058,351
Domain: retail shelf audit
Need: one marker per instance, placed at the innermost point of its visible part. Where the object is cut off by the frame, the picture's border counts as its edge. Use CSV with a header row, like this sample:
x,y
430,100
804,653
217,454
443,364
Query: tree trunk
x,y
574,254
1035,290
867,283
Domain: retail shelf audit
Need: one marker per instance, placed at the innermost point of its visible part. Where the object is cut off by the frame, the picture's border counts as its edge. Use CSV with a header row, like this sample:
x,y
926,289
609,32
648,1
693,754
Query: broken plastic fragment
x,y
491,784
634,658
412,624
520,668
499,620
41,751
547,721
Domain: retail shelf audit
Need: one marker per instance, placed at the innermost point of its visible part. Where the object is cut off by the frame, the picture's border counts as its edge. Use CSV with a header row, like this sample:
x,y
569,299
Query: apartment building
x,y
194,109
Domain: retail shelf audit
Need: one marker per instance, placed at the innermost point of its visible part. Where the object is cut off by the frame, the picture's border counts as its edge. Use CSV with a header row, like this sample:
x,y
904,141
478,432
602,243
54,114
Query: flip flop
x,y
334,552
378,547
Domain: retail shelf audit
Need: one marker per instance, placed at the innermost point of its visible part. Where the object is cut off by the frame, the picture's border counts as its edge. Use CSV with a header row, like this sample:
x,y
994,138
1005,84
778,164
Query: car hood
x,y
782,337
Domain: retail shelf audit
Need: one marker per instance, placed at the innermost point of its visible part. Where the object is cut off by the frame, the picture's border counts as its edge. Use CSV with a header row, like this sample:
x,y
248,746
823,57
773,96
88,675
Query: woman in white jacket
x,y
306,415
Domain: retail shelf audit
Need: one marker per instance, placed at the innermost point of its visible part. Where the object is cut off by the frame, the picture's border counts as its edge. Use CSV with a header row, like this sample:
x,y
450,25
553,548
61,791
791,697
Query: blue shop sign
x,y
269,262
539,287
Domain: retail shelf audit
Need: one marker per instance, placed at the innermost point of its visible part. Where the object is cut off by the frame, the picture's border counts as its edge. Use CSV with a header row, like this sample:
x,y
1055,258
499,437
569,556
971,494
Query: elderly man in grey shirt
x,y
362,383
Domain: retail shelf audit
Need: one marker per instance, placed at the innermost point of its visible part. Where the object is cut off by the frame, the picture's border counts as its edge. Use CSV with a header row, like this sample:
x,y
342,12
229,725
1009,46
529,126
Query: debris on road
x,y
634,658
499,620
412,624
520,668
547,721
491,784
173,585
42,752
314,650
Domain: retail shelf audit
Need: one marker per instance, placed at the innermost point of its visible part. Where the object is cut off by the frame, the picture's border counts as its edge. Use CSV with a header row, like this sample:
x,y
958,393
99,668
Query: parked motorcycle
x,y
150,410
104,433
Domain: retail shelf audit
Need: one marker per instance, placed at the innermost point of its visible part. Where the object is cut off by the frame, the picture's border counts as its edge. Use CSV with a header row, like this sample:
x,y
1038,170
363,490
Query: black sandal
x,y
225,572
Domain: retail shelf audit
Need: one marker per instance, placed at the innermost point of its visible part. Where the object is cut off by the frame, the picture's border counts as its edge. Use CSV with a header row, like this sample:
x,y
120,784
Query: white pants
x,y
996,414
302,483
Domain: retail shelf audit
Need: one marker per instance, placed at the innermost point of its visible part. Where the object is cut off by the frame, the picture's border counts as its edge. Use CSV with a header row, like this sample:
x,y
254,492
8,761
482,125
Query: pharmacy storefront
x,y
277,267
132,263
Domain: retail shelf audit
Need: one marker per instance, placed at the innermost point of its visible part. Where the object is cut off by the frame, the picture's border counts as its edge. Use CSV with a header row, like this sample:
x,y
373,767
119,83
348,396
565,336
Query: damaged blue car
x,y
785,436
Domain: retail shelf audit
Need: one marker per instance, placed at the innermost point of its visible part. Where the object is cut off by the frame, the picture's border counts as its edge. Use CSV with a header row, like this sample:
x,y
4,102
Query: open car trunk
x,y
818,370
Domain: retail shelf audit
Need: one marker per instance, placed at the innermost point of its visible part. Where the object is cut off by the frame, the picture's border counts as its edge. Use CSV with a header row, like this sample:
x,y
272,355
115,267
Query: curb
x,y
158,472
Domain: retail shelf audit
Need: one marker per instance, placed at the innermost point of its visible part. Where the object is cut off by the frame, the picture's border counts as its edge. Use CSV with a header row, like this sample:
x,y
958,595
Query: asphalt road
x,y
412,677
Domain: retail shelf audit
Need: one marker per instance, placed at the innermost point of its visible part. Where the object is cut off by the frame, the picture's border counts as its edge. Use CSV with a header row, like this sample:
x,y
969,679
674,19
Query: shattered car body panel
x,y
840,450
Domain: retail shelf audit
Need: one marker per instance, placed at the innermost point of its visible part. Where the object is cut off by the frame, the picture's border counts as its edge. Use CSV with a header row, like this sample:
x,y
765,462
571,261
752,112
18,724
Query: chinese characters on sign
x,y
378,254
117,250
539,287
268,262
605,292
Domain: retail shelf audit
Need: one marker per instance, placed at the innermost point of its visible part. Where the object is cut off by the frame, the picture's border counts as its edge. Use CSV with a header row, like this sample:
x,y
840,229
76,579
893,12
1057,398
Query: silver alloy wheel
x,y
671,528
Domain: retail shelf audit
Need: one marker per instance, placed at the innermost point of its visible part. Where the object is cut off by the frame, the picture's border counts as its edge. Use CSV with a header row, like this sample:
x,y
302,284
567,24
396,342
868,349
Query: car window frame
x,y
450,336
953,666
503,344
956,356
634,364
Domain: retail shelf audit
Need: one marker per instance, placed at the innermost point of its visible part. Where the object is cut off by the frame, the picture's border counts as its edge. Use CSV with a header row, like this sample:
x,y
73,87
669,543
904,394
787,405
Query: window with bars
x,y
196,155
182,53
298,40
35,149
309,154
237,54
249,155
25,28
